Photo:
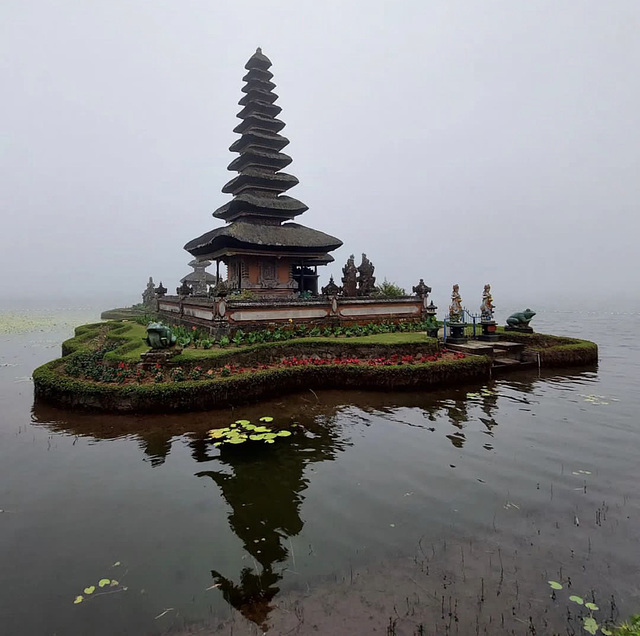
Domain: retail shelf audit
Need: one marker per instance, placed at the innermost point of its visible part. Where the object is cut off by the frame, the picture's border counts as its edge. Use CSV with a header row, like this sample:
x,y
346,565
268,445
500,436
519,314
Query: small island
x,y
269,328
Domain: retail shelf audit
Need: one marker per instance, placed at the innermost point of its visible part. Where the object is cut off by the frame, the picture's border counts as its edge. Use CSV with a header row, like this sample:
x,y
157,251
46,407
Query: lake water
x,y
392,513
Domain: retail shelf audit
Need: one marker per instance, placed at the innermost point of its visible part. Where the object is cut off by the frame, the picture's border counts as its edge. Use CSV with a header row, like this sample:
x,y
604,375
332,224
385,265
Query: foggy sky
x,y
459,141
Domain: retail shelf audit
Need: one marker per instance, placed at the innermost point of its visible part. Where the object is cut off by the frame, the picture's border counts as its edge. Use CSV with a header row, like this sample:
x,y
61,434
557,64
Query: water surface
x,y
386,511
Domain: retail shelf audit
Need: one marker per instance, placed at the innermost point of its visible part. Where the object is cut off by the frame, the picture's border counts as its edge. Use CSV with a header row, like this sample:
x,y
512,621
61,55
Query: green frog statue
x,y
520,321
159,336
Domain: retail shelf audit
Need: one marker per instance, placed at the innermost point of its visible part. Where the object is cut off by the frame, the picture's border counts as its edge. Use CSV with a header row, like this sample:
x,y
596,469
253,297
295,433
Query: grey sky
x,y
459,141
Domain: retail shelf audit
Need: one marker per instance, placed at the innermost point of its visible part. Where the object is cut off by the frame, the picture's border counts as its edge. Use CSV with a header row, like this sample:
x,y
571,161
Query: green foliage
x,y
628,628
242,431
387,289
245,294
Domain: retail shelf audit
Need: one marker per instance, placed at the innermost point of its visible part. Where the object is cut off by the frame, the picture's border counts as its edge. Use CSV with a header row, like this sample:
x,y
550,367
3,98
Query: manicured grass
x,y
382,339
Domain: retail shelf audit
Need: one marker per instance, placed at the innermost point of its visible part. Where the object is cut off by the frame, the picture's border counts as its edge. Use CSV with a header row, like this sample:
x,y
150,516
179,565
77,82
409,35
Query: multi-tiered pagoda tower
x,y
262,250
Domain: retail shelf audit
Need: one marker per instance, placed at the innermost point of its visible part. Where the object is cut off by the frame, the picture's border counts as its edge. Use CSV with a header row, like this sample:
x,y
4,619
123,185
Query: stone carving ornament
x,y
455,309
366,279
350,277
487,308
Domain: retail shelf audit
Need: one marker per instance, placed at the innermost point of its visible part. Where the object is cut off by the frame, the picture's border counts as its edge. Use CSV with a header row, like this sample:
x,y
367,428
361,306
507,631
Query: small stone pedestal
x,y
519,329
456,330
489,331
159,356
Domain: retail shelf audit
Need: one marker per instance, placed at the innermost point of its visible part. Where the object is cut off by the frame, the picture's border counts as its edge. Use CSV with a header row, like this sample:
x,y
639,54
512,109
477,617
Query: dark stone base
x,y
519,329
456,331
488,332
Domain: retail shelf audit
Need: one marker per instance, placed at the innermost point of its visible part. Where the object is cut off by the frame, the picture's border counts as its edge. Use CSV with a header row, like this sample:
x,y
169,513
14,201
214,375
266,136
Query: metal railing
x,y
466,316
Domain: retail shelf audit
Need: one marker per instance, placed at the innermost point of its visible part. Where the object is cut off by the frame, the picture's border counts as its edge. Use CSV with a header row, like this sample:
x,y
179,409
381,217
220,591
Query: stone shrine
x,y
263,250
199,279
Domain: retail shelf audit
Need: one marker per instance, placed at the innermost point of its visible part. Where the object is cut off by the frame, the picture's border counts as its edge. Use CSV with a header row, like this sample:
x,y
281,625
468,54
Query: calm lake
x,y
386,513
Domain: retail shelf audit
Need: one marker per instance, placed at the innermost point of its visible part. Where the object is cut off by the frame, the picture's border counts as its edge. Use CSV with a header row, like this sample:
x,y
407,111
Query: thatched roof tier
x,y
259,75
259,122
258,61
259,158
259,138
261,179
256,204
257,83
260,108
257,94
287,239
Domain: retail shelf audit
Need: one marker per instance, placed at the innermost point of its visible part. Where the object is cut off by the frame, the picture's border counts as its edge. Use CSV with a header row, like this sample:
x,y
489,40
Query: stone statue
x,y
149,294
349,280
421,289
184,289
220,290
366,279
487,308
520,320
331,289
455,309
159,336
160,290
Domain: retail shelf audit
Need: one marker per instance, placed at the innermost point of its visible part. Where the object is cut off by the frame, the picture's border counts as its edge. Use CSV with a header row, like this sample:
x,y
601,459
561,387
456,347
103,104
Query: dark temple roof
x,y
259,207
243,236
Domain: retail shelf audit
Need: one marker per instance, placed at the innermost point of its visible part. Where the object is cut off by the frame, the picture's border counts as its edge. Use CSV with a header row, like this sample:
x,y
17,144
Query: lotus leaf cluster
x,y
242,431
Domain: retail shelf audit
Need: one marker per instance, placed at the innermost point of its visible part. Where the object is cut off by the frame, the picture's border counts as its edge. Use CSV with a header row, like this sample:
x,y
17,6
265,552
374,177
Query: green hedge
x,y
52,385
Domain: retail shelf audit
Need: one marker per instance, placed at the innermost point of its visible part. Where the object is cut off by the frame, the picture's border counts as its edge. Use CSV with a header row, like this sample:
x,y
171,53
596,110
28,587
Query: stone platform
x,y
503,353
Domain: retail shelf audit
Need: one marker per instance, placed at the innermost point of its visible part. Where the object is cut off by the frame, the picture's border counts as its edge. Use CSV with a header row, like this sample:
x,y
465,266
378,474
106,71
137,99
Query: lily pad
x,y
217,434
606,632
590,625
236,440
555,585
283,433
266,418
261,429
89,590
249,427
269,436
592,606
242,422
259,436
269,441
577,599
103,582
114,583
79,599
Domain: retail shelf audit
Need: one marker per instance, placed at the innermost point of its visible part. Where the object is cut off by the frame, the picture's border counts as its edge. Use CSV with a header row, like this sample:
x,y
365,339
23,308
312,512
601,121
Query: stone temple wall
x,y
223,316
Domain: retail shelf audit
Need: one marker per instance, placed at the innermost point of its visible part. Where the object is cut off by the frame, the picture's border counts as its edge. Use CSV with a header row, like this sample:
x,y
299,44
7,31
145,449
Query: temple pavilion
x,y
263,250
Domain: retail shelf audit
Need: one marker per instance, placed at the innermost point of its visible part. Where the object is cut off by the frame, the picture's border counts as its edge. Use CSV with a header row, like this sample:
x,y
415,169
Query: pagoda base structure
x,y
489,331
519,329
456,335
268,276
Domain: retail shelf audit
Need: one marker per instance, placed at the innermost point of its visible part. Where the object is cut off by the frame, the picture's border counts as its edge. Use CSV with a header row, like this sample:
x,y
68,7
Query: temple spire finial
x,y
259,50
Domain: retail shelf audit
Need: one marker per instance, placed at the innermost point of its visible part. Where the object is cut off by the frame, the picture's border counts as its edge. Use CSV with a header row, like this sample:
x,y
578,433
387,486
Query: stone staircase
x,y
506,355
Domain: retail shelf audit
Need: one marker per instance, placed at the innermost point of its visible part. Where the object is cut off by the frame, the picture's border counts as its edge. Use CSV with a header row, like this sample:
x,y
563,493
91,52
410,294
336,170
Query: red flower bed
x,y
124,373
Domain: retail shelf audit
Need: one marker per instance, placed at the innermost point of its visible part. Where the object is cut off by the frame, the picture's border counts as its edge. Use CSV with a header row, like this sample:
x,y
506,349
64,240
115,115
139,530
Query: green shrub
x,y
388,289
